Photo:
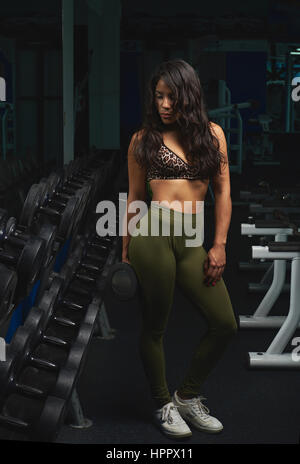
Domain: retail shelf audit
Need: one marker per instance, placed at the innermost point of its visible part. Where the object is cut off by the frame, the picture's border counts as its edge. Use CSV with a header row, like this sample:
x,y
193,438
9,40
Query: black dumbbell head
x,y
48,233
54,181
31,204
68,218
8,283
30,262
3,222
51,419
123,281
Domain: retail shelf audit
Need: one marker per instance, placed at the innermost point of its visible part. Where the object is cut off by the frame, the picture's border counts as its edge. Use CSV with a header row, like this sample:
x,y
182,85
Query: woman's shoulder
x,y
138,135
214,126
217,130
135,141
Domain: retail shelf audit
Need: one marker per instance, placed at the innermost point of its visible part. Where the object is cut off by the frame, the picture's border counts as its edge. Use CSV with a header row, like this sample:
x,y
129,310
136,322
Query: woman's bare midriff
x,y
184,192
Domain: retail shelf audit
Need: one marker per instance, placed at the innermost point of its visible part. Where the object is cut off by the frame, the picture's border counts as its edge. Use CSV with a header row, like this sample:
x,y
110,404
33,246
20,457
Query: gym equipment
x,y
26,259
50,380
21,351
264,191
38,329
64,216
267,208
46,355
271,214
80,274
260,317
54,181
61,197
57,307
265,282
274,356
225,114
76,178
46,426
260,192
100,244
8,284
122,280
11,233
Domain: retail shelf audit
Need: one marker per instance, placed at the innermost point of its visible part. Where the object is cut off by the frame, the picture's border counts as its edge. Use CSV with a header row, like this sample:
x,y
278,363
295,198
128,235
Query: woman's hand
x,y
214,265
125,257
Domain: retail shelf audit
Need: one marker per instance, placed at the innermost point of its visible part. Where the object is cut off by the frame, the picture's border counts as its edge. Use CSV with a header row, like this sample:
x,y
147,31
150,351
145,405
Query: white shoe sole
x,y
201,427
196,426
170,434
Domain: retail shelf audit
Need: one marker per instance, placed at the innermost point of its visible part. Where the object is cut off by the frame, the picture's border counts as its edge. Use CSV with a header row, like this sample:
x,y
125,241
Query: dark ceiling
x,y
172,19
162,21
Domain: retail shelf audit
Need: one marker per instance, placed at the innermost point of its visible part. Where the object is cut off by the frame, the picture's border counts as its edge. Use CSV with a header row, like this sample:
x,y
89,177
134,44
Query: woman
x,y
178,151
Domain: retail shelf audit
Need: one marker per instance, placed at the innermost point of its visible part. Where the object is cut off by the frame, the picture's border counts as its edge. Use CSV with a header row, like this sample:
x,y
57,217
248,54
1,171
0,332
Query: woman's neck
x,y
172,128
173,132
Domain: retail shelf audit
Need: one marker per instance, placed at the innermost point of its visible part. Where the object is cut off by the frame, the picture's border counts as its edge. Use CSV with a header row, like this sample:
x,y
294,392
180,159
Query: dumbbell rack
x,y
65,243
74,408
53,268
260,318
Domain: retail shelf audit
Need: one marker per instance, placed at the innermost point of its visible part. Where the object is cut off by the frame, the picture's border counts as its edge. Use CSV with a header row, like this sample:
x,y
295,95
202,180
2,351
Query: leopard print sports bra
x,y
168,165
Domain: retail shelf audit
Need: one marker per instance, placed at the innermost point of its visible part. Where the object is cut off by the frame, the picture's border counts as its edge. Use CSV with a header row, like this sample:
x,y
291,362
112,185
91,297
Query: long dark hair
x,y
201,145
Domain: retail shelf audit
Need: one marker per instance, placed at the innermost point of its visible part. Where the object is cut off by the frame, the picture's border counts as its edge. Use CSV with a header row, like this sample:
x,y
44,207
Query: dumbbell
x,y
13,234
56,302
76,169
96,180
71,167
8,285
100,244
62,195
65,216
81,277
50,198
24,350
79,282
65,276
51,347
27,259
54,180
51,378
75,178
91,255
83,191
121,281
43,428
79,256
57,181
75,285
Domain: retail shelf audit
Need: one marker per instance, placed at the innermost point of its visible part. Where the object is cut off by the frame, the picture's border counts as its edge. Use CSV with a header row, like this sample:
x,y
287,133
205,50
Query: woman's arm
x,y
216,260
221,187
137,191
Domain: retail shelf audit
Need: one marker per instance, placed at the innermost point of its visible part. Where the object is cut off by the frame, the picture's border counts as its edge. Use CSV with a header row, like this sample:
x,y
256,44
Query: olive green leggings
x,y
161,261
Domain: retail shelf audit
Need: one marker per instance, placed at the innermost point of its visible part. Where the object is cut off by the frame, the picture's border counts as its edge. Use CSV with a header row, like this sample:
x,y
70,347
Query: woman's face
x,y
164,100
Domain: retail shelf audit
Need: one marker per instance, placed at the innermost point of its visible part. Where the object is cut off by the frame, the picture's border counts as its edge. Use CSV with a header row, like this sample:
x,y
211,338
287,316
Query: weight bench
x,y
274,356
260,318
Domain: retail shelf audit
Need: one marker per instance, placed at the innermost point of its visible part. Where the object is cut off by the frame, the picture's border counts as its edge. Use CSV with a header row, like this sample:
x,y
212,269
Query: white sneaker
x,y
170,421
196,414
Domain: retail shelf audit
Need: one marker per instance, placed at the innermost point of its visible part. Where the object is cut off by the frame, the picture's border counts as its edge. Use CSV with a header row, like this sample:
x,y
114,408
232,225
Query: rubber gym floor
x,y
255,406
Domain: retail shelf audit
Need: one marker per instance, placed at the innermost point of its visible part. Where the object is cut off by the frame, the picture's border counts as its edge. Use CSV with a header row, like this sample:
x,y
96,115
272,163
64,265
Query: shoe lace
x,y
199,407
171,414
